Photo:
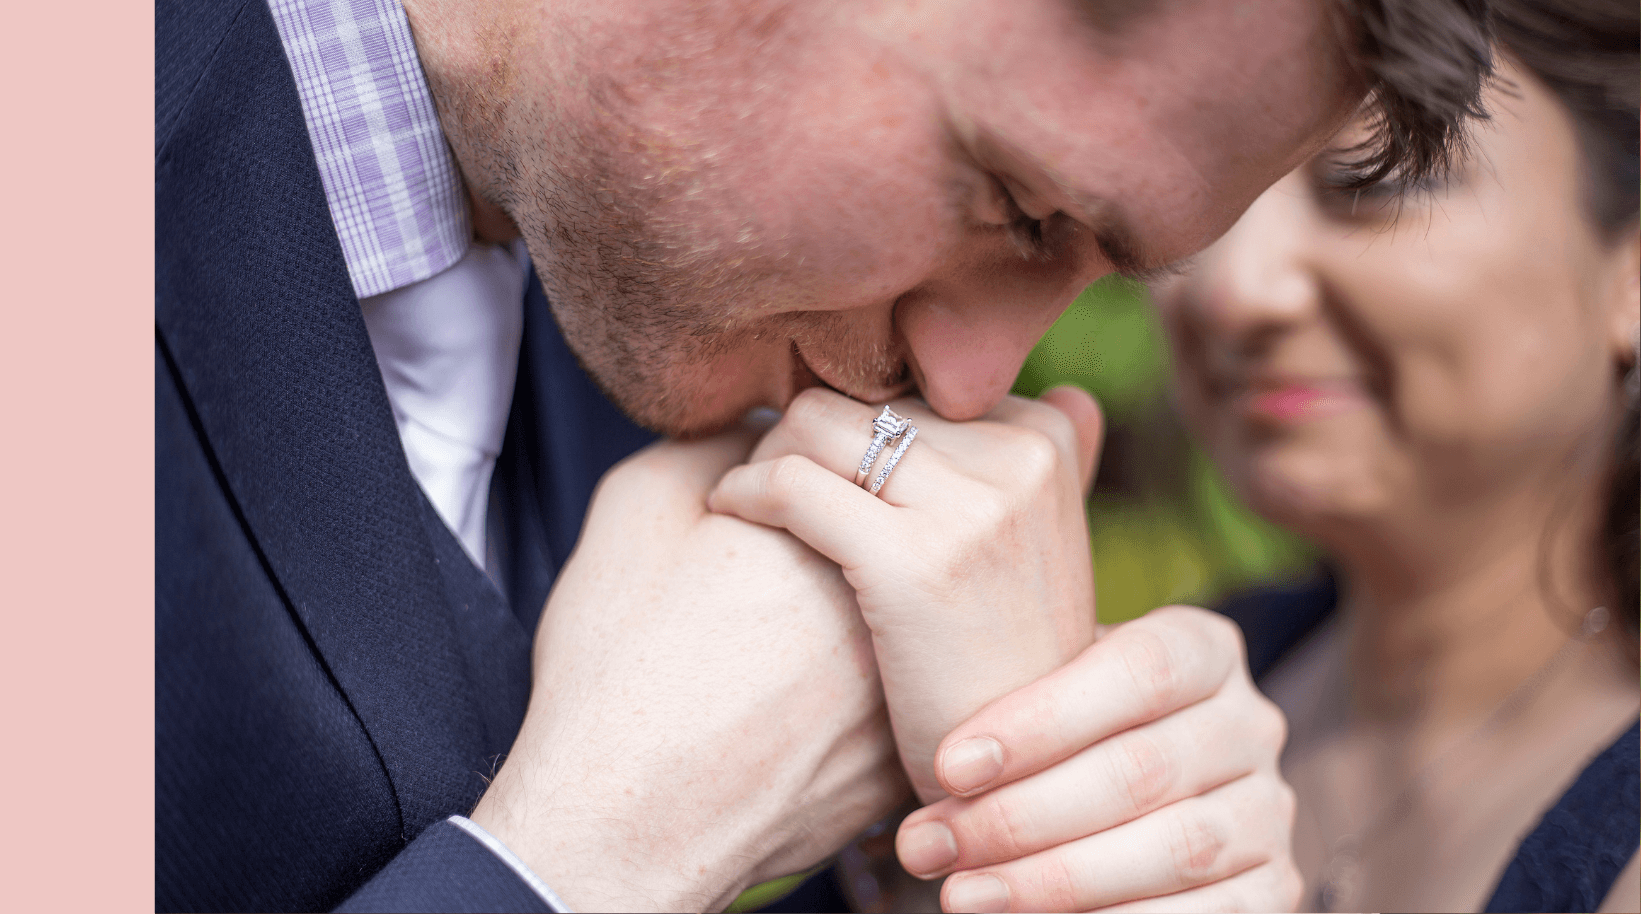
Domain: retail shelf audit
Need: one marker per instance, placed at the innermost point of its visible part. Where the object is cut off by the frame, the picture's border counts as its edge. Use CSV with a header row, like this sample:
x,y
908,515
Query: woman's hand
x,y
972,570
1141,776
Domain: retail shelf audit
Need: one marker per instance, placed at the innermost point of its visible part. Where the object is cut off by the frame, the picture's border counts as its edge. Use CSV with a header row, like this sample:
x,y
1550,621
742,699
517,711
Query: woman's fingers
x,y
834,431
822,425
1165,660
837,518
1188,845
1274,886
1117,780
1015,439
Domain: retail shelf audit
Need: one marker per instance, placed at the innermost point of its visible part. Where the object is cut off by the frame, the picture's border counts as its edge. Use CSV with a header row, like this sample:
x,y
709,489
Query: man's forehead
x,y
1156,140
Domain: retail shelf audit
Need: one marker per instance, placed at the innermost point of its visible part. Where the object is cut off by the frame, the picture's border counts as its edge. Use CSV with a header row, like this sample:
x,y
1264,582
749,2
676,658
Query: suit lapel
x,y
254,302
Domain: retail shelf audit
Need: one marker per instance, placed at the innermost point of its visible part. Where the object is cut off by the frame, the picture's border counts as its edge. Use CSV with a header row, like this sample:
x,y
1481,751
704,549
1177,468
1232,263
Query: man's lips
x,y
804,376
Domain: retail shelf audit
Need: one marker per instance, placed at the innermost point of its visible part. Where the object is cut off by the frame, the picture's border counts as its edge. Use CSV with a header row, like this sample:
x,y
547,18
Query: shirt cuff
x,y
513,862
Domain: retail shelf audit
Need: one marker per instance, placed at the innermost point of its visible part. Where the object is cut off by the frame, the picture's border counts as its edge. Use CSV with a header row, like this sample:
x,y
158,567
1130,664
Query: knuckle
x,y
1266,801
1054,423
812,404
1214,634
633,468
787,475
1047,882
1146,771
1152,668
1227,634
639,476
1057,423
1184,614
1233,898
1195,843
1034,455
1006,833
1274,724
1290,887
1057,883
1287,807
1217,629
988,510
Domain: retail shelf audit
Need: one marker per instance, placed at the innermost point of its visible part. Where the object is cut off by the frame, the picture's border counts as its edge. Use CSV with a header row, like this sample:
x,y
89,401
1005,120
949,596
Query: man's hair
x,y
1425,63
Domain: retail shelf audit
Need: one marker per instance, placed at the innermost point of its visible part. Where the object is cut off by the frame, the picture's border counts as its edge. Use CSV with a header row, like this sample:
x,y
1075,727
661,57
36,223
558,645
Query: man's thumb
x,y
1086,418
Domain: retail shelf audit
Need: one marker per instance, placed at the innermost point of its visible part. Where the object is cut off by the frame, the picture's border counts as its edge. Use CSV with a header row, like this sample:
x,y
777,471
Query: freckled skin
x,y
728,202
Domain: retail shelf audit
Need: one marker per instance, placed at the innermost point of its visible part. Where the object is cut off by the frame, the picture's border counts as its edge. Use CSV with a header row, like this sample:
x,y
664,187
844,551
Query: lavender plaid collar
x,y
394,193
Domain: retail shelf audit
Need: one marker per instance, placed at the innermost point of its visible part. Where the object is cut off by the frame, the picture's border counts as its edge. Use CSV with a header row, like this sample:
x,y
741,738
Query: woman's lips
x,y
1291,402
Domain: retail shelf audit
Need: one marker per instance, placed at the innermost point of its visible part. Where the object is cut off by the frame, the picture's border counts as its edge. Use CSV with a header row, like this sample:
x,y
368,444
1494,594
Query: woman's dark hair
x,y
1586,53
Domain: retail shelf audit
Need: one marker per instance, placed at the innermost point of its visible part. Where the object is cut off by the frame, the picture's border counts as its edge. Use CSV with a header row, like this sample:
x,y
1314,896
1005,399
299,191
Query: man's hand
x,y
705,712
1141,776
972,570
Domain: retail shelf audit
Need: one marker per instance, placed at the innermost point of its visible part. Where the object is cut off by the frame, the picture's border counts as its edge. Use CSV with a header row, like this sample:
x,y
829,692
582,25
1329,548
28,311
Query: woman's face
x,y
1349,357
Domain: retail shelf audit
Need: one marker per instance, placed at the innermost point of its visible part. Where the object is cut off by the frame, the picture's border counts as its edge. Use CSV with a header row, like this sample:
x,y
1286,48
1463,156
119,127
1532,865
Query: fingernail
x,y
982,894
927,848
972,764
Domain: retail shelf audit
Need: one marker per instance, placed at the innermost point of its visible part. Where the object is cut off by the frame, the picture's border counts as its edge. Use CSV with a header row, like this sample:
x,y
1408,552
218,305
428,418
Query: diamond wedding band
x,y
887,427
894,458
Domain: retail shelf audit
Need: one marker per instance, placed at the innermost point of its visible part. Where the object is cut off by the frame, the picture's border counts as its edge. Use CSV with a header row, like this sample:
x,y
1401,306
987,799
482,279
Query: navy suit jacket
x,y
333,677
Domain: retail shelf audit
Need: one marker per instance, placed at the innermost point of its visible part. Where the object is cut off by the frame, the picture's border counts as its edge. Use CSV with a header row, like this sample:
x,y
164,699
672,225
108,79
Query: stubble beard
x,y
682,344
667,320
663,313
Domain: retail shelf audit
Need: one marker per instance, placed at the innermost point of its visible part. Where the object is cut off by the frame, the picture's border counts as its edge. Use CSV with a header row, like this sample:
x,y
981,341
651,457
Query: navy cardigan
x,y
1571,859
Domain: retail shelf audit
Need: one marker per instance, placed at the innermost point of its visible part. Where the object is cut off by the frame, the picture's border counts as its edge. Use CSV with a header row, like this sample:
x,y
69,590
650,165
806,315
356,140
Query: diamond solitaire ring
x,y
888,426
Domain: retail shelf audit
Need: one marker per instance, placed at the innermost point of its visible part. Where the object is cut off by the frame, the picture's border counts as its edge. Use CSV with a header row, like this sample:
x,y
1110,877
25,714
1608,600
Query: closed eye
x,y
1027,235
1025,231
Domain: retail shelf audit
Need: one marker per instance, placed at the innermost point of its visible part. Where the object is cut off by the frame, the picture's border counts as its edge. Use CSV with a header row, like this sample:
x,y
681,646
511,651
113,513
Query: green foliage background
x,y
1165,527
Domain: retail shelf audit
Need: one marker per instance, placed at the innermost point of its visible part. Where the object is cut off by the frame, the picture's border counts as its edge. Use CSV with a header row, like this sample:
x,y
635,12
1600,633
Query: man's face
x,y
728,202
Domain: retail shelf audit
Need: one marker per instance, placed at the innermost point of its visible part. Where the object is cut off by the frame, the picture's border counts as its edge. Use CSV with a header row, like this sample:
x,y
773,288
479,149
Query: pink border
x,y
77,672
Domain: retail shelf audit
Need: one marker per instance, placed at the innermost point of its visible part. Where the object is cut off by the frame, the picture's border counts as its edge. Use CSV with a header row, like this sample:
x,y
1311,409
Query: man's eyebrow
x,y
1122,248
1112,16
1157,272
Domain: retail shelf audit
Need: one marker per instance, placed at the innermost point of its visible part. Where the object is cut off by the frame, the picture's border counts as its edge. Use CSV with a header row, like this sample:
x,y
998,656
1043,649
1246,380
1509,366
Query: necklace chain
x,y
1342,875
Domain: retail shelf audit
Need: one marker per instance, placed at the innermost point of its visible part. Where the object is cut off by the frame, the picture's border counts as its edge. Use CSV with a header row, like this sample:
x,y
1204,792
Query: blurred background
x,y
1164,526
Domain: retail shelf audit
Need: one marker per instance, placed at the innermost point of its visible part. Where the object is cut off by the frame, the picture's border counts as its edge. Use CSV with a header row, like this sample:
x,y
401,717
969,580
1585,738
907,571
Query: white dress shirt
x,y
448,347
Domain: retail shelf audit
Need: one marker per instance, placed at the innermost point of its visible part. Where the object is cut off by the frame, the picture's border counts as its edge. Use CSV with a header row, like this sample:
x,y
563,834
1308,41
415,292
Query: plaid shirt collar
x,y
395,195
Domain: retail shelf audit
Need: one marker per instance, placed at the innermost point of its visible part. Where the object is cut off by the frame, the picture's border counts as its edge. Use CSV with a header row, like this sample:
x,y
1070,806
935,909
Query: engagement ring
x,y
888,426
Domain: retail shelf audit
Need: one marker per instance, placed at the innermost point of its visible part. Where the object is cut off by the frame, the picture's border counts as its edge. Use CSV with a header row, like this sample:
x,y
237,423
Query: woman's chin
x,y
1311,491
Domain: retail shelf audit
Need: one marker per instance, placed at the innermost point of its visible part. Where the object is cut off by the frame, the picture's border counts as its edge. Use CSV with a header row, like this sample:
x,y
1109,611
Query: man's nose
x,y
1260,277
968,335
